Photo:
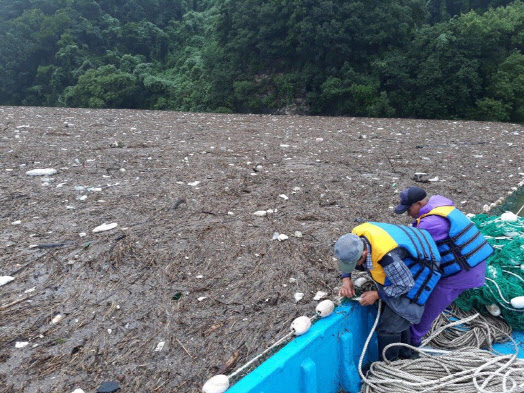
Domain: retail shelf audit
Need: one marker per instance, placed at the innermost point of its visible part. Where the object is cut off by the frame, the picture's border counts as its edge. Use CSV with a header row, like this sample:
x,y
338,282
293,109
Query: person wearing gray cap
x,y
403,262
462,247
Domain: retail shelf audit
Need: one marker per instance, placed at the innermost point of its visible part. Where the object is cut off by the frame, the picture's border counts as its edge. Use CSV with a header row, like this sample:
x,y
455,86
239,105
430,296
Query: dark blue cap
x,y
408,197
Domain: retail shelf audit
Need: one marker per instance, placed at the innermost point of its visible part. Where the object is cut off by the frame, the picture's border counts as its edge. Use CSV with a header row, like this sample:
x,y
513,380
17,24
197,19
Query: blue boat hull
x,y
325,359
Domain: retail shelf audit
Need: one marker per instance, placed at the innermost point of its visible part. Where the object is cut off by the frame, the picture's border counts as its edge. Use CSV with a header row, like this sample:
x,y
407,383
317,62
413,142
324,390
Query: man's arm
x,y
348,288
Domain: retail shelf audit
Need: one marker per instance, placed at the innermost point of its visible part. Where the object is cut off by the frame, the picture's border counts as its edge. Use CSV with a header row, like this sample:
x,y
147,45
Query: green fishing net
x,y
505,271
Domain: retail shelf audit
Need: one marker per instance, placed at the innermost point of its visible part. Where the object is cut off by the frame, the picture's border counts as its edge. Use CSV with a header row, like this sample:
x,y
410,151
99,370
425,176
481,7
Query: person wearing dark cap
x,y
462,247
403,262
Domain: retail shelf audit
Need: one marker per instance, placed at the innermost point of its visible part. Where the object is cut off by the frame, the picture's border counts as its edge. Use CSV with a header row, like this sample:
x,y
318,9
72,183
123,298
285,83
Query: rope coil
x,y
467,370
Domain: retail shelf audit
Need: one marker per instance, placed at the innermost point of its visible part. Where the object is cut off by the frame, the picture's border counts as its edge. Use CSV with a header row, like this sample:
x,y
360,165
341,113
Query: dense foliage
x,y
459,59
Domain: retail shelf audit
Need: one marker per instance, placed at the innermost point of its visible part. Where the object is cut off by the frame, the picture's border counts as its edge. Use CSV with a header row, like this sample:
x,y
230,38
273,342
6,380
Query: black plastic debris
x,y
108,387
55,245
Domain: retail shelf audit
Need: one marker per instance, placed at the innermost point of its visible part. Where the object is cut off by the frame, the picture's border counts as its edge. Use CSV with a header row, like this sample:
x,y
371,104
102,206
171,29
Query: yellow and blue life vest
x,y
423,260
465,247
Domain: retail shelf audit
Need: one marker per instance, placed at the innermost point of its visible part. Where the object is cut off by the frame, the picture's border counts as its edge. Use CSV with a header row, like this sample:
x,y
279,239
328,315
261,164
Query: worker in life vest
x,y
461,245
403,261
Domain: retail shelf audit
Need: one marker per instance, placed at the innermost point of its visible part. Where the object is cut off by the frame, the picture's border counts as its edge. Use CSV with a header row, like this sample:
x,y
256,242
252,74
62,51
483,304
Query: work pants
x,y
392,328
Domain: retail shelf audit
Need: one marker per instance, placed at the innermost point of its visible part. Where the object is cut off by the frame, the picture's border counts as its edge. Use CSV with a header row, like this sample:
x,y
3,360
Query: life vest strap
x,y
423,286
458,235
473,238
476,249
424,260
417,274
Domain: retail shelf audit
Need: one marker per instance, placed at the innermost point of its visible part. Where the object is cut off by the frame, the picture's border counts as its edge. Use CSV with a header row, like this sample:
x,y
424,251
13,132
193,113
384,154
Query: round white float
x,y
493,309
517,302
325,308
300,325
509,217
360,281
217,384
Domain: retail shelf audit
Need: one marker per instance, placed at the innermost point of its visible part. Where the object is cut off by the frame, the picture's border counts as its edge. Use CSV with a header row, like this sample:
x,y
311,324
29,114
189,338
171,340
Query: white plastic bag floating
x,y
57,318
160,346
5,279
298,296
320,295
105,227
41,172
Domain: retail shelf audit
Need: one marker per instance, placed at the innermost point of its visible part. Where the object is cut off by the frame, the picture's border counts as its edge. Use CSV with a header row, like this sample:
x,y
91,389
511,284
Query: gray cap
x,y
348,250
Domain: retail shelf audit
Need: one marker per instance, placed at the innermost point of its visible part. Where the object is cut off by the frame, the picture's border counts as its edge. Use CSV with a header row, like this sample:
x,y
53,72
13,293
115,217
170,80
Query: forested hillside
x,y
457,59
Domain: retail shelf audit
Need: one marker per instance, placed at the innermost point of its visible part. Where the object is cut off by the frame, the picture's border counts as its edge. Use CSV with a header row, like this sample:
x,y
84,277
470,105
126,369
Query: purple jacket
x,y
438,228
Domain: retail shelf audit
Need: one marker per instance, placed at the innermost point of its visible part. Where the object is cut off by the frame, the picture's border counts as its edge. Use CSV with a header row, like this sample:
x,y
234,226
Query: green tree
x,y
507,88
105,87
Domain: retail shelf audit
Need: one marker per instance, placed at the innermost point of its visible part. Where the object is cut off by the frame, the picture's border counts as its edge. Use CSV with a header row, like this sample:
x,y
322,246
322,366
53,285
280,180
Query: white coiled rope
x,y
468,370
479,331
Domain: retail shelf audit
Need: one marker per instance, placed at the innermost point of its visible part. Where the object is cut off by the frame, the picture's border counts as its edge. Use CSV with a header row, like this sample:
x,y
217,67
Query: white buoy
x,y
509,217
360,281
41,172
493,309
518,302
300,325
325,308
216,384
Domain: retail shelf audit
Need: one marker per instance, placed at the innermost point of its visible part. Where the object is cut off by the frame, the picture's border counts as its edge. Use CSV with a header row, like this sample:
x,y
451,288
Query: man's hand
x,y
347,289
368,298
